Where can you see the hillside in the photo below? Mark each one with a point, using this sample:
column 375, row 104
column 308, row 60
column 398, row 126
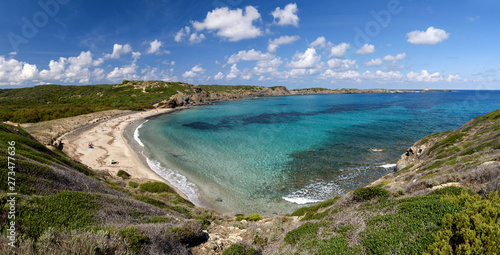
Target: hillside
column 63, row 206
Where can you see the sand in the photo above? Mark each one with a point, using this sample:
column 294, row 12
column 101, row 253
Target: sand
column 109, row 142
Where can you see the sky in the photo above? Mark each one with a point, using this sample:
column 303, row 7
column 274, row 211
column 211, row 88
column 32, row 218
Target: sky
column 394, row 44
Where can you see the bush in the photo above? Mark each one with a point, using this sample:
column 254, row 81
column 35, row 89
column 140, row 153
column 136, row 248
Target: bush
column 135, row 239
column 133, row 184
column 238, row 249
column 66, row 209
column 303, row 210
column 365, row 194
column 190, row 233
column 124, row 175
column 155, row 187
column 474, row 230
column 251, row 217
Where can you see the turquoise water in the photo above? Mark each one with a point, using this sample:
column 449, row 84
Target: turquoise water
column 274, row 154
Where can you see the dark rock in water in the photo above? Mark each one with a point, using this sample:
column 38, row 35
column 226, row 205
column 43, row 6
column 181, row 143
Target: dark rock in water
column 239, row 214
column 218, row 200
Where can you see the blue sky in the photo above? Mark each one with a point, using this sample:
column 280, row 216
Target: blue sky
column 334, row 44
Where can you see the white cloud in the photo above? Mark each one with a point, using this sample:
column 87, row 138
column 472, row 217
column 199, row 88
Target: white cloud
column 247, row 76
column 345, row 75
column 127, row 72
column 194, row 72
column 431, row 36
column 182, row 33
column 339, row 50
column 319, row 42
column 374, row 62
column 12, row 53
column 155, row 48
column 195, row 38
column 275, row 43
column 268, row 66
column 233, row 73
column 425, row 76
column 136, row 55
column 308, row 59
column 380, row 76
column 342, row 64
column 233, row 25
column 366, row 49
column 287, row 16
column 398, row 57
column 219, row 76
column 118, row 50
column 248, row 56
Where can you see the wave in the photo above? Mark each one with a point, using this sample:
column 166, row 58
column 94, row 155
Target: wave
column 136, row 134
column 301, row 200
column 388, row 166
column 177, row 180
column 376, row 150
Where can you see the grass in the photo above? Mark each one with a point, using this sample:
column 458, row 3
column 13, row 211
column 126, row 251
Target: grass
column 448, row 141
column 155, row 187
column 65, row 210
column 369, row 193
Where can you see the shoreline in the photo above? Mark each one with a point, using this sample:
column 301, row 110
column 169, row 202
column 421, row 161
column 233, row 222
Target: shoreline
column 108, row 138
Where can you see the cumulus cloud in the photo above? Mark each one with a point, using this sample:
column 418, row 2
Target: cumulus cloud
column 233, row 73
column 219, row 76
column 233, row 25
column 248, row 56
column 275, row 43
column 339, row 50
column 196, row 38
column 155, row 48
column 268, row 66
column 136, row 55
column 194, row 72
column 286, row 16
column 431, row 36
column 320, row 42
column 308, row 59
column 381, row 76
column 118, row 50
column 425, row 76
column 366, row 49
column 342, row 64
column 374, row 62
column 396, row 58
column 344, row 75
column 127, row 72
column 182, row 33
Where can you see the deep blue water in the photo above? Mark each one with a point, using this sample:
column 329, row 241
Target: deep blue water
column 272, row 154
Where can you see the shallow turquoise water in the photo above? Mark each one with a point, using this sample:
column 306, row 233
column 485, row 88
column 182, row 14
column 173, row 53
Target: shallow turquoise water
column 273, row 154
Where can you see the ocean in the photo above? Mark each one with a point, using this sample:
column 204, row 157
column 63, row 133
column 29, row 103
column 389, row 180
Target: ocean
column 275, row 154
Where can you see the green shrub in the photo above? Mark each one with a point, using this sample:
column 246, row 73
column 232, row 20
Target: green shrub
column 251, row 217
column 133, row 184
column 368, row 193
column 135, row 239
column 475, row 230
column 155, row 187
column 124, row 175
column 66, row 209
column 238, row 249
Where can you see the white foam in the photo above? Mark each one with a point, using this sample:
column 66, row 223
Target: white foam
column 301, row 200
column 388, row 166
column 177, row 180
column 136, row 134
column 376, row 150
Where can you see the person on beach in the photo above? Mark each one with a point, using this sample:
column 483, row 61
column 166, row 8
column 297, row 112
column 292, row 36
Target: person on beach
column 91, row 146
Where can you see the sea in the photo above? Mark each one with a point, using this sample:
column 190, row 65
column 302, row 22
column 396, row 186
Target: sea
column 272, row 155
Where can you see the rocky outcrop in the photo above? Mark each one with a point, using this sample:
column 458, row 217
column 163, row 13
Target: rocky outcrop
column 468, row 156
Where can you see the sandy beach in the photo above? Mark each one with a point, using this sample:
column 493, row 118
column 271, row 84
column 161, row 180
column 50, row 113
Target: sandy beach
column 107, row 138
